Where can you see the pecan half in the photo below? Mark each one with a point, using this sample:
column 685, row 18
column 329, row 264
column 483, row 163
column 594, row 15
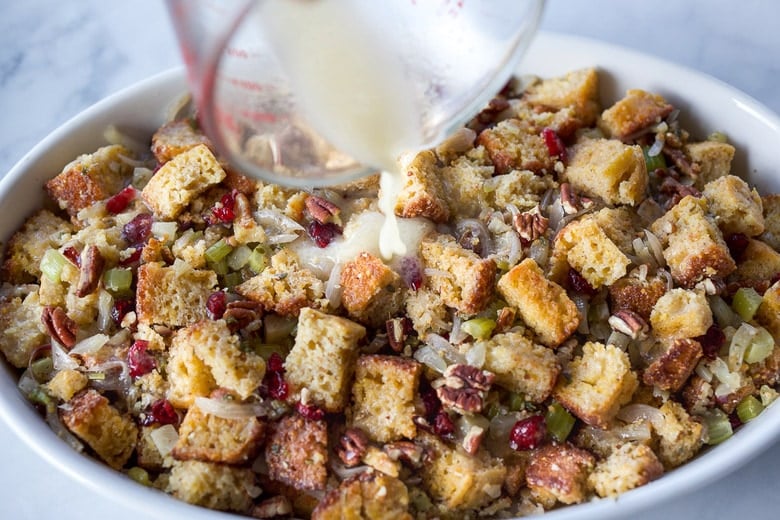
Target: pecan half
column 322, row 210
column 272, row 508
column 352, row 446
column 676, row 191
column 629, row 323
column 464, row 388
column 571, row 202
column 530, row 225
column 397, row 330
column 243, row 315
column 681, row 161
column 473, row 439
column 505, row 319
column 405, row 451
column 59, row 326
column 92, row 263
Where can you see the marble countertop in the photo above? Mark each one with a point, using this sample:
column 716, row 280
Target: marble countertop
column 57, row 58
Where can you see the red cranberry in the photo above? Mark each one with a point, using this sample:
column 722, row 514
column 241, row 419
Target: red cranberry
column 310, row 411
column 275, row 363
column 432, row 403
column 712, row 341
column 120, row 309
column 133, row 258
column 323, row 234
column 527, row 433
column 577, row 283
column 276, row 386
column 443, row 425
column 216, row 305
column 224, row 212
column 411, row 271
column 138, row 230
column 119, row 202
column 161, row 412
column 737, row 243
column 735, row 421
column 139, row 360
column 72, row 254
column 555, row 146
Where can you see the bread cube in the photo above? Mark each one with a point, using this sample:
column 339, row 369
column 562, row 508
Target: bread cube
column 693, row 245
column 589, row 250
column 714, row 160
column 578, row 90
column 679, row 436
column 372, row 292
column 172, row 296
column 422, row 194
column 176, row 137
column 543, row 305
column 559, row 473
column 188, row 376
column 66, row 383
column 96, row 422
column 323, row 357
column 20, row 329
column 215, row 486
column 427, row 311
column 671, row 369
column 735, row 207
column 697, row 395
column 515, row 145
column 608, row 169
column 681, row 313
column 637, row 110
column 521, row 366
column 465, row 281
column 771, row 207
column 759, row 263
column 290, row 202
column 383, row 397
column 41, row 232
column 627, row 467
column 600, row 382
column 179, row 181
column 463, row 184
column 635, row 294
column 521, row 188
column 147, row 455
column 370, row 494
column 297, row 452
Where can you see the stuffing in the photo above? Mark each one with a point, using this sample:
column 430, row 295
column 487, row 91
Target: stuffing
column 515, row 145
column 422, row 194
column 215, row 486
column 771, row 207
column 589, row 250
column 188, row 376
column 370, row 495
column 636, row 111
column 577, row 90
column 172, row 296
column 297, row 452
column 758, row 263
column 671, row 369
column 637, row 294
column 559, row 474
column 41, row 232
column 734, row 207
column 627, row 467
column 712, row 157
column 67, row 383
column 20, row 328
column 681, row 313
column 372, row 293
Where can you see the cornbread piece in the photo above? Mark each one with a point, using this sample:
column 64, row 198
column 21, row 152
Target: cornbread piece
column 172, row 296
column 734, row 206
column 679, row 437
column 759, row 262
column 93, row 420
column 608, row 169
column 379, row 460
column 693, row 245
column 91, row 178
column 20, row 329
column 370, row 495
column 176, row 137
column 522, row 188
column 521, row 366
column 771, row 207
column 577, row 90
column 323, row 358
column 146, row 453
column 628, row 467
column 297, row 452
column 620, row 224
column 236, row 370
column 589, row 250
column 515, row 145
column 543, row 305
column 464, row 280
column 714, row 160
column 458, row 480
column 284, row 287
column 372, row 292
column 66, row 383
column 421, row 193
column 559, row 474
column 463, row 183
column 681, row 313
column 427, row 311
column 516, row 464
column 768, row 313
column 188, row 376
column 210, row 438
column 637, row 110
column 635, row 294
column 289, row 201
column 215, row 486
column 383, row 397
column 600, row 381
column 674, row 366
column 181, row 180
column 41, row 232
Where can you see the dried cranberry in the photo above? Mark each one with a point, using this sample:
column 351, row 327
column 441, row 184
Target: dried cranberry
column 323, row 234
column 138, row 230
column 411, row 271
column 737, row 243
column 160, row 412
column 276, row 386
column 120, row 309
column 712, row 341
column 528, row 433
column 139, row 360
column 735, row 421
column 133, row 258
column 432, row 403
column 310, row 411
column 554, row 143
column 119, row 202
column 225, row 211
column 216, row 305
column 443, row 425
column 275, row 363
column 577, row 283
column 72, row 254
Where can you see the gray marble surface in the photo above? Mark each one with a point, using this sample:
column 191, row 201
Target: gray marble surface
column 57, row 58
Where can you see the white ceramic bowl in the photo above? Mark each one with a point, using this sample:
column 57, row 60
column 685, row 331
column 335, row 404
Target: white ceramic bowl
column 706, row 105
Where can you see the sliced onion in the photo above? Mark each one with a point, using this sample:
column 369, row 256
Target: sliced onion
column 89, row 345
column 333, row 289
column 619, row 339
column 260, row 465
column 643, row 255
column 555, row 214
column 515, row 248
column 105, row 305
column 461, row 141
column 724, row 314
column 430, row 271
column 666, row 275
column 704, row 372
column 445, row 349
column 54, row 422
column 114, row 379
column 634, row 431
column 344, row 472
column 229, row 410
column 164, row 438
column 739, row 345
column 641, row 412
column 478, row 229
column 281, row 238
column 729, row 381
column 457, row 335
column 497, row 439
column 655, row 247
column 539, row 251
column 277, row 221
column 582, row 304
column 657, row 146
column 475, row 356
column 61, row 359
column 27, row 383
column 429, row 357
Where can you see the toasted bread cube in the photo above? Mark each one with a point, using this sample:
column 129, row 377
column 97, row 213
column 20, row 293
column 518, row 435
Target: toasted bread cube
column 371, row 495
column 768, row 314
column 284, row 287
column 466, row 280
column 628, row 467
column 147, row 454
column 383, row 395
column 681, row 313
column 66, row 383
column 422, row 194
column 91, row 178
column 41, row 232
column 559, row 474
column 679, row 436
column 463, row 183
column 427, row 311
column 714, row 160
column 210, row 438
column 215, row 486
column 297, row 452
column 93, row 420
column 515, row 145
column 372, row 292
column 458, row 480
column 759, row 263
column 693, row 245
column 771, row 207
column 543, row 305
column 172, row 296
column 637, row 110
column 233, row 369
column 589, row 250
column 181, row 180
column 522, row 188
column 578, row 90
column 637, row 295
column 287, row 200
column 522, row 366
column 697, row 395
column 323, row 358
column 20, row 329
column 176, row 137
column 736, row 208
column 600, row 382
column 608, row 169
column 188, row 376
column 674, row 366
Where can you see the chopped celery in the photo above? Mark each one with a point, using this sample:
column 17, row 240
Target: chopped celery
column 52, row 264
column 559, row 422
column 760, row 346
column 516, row 402
column 140, row 475
column 263, row 350
column 258, row 259
column 239, row 257
column 479, row 328
column 746, row 302
column 718, row 426
column 653, row 162
column 220, row 267
column 41, row 369
column 218, row 251
column 39, row 396
column 718, row 137
column 165, row 231
column 232, row 279
column 749, row 408
column 118, row 280
column 493, row 410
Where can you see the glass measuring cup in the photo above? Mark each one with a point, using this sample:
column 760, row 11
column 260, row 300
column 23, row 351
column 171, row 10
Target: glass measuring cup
column 316, row 92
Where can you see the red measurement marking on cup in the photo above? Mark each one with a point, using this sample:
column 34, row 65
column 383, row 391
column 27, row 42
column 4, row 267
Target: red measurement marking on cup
column 257, row 116
column 246, row 84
